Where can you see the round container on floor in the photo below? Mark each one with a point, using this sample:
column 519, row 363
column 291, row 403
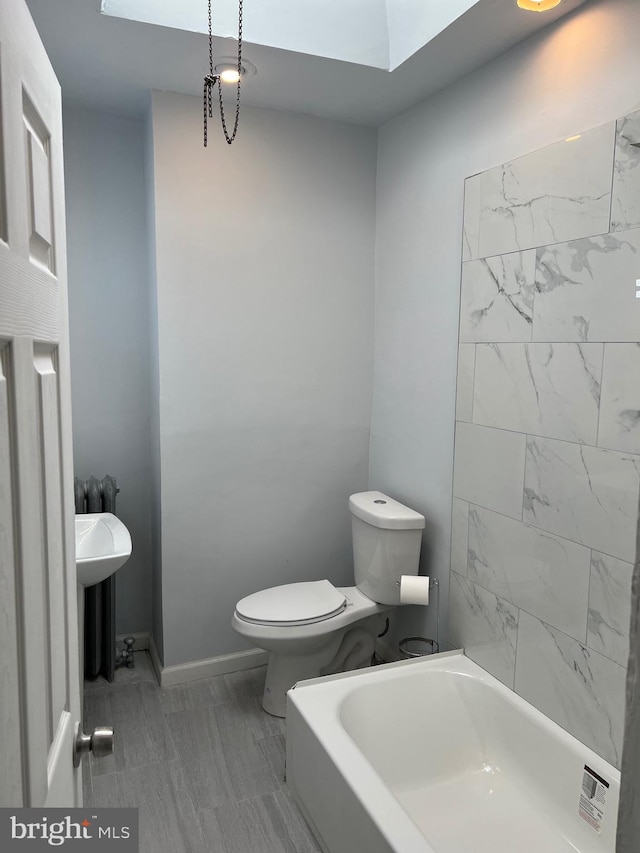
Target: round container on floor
column 417, row 647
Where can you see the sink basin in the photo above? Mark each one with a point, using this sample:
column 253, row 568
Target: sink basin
column 103, row 545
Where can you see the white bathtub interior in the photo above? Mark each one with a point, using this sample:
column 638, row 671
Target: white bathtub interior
column 472, row 766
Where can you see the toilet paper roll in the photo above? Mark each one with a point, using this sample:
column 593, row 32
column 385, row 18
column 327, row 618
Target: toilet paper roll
column 414, row 590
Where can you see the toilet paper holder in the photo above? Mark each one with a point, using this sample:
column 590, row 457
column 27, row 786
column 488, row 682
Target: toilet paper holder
column 434, row 584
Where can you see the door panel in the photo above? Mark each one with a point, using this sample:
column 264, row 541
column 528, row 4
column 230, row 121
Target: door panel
column 11, row 775
column 3, row 186
column 55, row 581
column 30, row 562
column 38, row 613
column 37, row 145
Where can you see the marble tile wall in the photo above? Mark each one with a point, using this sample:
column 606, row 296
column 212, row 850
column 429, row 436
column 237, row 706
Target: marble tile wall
column 547, row 453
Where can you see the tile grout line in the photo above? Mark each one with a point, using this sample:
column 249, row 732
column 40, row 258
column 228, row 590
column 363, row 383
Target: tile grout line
column 546, row 245
column 543, row 621
column 520, row 608
column 515, row 658
column 534, row 435
column 524, row 476
column 586, row 629
column 544, row 531
column 613, row 173
column 553, row 341
column 604, row 355
column 473, row 383
column 533, row 291
column 466, row 565
column 584, row 643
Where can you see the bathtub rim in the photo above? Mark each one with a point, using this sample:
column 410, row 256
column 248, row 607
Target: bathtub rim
column 466, row 667
column 362, row 779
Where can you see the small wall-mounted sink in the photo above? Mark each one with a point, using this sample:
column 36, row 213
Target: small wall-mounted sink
column 103, row 545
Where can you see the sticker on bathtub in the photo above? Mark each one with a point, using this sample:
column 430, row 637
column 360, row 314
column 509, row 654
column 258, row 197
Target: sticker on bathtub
column 593, row 797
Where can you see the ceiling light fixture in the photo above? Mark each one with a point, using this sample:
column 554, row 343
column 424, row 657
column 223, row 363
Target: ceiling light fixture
column 229, row 75
column 215, row 79
column 227, row 69
column 538, row 5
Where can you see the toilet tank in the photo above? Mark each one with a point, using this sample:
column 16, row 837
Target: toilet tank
column 386, row 544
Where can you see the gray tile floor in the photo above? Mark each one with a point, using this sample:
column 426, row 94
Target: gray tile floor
column 202, row 762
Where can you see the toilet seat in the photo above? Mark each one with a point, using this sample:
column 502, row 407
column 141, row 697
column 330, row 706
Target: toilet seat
column 292, row 604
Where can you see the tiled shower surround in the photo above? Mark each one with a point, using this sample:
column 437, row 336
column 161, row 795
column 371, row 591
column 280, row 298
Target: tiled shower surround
column 547, row 452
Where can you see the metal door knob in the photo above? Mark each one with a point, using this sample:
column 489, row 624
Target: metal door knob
column 99, row 742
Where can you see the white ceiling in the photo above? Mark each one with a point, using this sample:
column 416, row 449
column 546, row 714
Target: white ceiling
column 110, row 63
column 379, row 33
column 349, row 30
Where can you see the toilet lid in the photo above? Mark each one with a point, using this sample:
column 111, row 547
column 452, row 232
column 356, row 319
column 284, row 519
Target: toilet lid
column 292, row 604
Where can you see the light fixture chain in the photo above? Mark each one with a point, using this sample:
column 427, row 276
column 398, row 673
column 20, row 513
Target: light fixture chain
column 220, row 99
column 207, row 103
column 211, row 79
column 210, row 43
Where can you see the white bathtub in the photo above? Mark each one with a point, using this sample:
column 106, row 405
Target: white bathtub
column 437, row 756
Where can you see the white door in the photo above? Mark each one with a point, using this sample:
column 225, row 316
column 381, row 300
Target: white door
column 39, row 682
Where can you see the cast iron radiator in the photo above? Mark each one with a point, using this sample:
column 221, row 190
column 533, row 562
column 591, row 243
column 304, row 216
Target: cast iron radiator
column 94, row 495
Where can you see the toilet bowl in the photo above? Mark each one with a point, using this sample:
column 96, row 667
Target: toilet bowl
column 311, row 645
column 314, row 628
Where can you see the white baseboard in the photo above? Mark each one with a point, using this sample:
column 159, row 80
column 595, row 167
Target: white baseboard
column 181, row 673
column 194, row 670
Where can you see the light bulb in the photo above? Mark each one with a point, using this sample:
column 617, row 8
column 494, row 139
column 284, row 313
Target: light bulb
column 230, row 75
column 538, row 5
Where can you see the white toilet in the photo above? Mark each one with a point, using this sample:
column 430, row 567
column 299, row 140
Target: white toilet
column 314, row 628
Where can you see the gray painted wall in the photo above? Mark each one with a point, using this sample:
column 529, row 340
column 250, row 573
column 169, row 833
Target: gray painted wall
column 109, row 324
column 156, row 520
column 577, row 74
column 265, row 258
